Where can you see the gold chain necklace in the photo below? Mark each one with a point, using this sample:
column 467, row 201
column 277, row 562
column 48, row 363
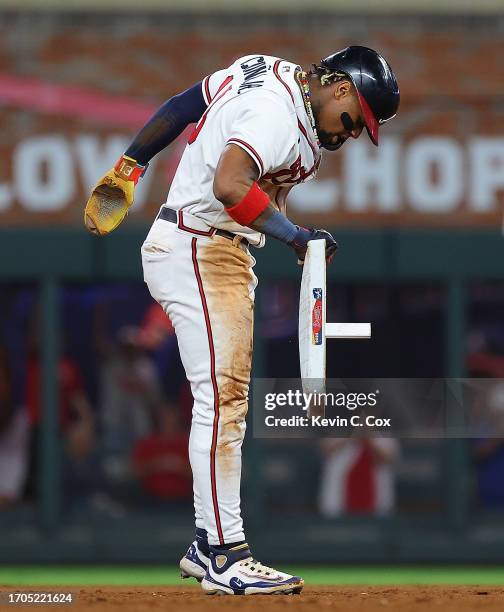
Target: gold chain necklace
column 302, row 80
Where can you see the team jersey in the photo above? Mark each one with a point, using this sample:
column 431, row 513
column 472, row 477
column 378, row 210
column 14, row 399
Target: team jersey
column 257, row 105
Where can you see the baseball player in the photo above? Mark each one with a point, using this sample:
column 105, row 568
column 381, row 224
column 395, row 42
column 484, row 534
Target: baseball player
column 261, row 125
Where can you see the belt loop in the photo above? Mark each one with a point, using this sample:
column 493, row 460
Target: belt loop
column 237, row 240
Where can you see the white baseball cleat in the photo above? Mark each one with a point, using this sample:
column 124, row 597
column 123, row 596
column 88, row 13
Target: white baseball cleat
column 236, row 572
column 194, row 563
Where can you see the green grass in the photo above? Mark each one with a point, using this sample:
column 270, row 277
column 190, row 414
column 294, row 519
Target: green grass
column 313, row 575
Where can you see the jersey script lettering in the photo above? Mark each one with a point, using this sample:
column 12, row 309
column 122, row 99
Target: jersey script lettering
column 252, row 69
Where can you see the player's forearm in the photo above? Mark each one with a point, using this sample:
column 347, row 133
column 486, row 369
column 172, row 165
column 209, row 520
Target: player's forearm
column 235, row 185
column 256, row 211
column 166, row 124
column 273, row 223
column 247, row 204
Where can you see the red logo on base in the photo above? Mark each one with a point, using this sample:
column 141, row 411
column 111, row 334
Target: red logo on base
column 317, row 317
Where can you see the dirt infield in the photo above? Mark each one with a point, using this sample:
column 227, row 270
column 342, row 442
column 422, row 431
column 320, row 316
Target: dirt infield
column 363, row 599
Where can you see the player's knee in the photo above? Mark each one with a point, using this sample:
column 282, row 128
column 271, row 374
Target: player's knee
column 233, row 400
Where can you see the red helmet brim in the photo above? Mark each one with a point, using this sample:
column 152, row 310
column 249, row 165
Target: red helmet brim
column 370, row 121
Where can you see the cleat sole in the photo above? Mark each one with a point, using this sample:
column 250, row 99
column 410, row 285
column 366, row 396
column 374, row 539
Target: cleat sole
column 213, row 589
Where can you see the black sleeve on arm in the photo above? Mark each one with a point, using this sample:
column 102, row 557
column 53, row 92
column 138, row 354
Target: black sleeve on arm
column 169, row 122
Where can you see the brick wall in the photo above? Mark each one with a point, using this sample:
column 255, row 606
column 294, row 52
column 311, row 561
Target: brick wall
column 61, row 75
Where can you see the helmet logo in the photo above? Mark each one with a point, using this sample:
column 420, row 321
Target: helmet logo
column 382, row 121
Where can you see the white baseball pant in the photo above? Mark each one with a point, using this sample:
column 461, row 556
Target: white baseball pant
column 205, row 284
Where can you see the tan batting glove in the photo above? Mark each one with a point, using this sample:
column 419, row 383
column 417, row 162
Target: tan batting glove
column 112, row 196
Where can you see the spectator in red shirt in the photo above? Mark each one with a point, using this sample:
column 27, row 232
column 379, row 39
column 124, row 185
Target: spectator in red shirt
column 161, row 461
column 70, row 388
column 358, row 476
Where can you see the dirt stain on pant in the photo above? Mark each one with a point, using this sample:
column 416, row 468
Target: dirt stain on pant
column 228, row 282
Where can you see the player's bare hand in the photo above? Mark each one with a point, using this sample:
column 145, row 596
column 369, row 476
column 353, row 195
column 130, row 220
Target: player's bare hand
column 305, row 234
column 112, row 197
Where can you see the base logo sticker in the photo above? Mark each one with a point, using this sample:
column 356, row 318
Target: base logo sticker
column 317, row 317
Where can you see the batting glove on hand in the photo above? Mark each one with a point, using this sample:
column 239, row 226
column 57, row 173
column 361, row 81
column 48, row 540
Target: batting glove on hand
column 112, row 196
column 305, row 234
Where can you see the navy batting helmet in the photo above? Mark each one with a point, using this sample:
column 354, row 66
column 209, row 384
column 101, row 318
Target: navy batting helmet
column 374, row 81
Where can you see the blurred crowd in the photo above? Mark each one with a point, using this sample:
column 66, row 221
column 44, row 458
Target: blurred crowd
column 125, row 408
column 125, row 448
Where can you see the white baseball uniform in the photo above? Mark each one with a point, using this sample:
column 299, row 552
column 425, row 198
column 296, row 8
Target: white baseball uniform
column 205, row 282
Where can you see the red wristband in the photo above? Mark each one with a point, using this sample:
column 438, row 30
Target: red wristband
column 129, row 169
column 252, row 205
